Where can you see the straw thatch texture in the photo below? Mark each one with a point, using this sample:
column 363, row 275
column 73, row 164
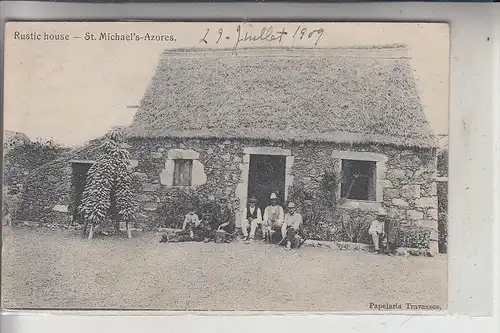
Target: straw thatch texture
column 358, row 95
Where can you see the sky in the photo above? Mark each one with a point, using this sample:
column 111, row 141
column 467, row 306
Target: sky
column 77, row 90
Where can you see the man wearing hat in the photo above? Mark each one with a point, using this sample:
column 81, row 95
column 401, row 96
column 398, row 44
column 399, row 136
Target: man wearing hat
column 377, row 229
column 291, row 225
column 273, row 219
column 251, row 218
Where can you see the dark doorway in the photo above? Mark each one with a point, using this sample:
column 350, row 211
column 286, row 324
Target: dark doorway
column 266, row 175
column 78, row 179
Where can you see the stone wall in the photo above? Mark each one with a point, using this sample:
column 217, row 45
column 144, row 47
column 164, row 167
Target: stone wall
column 220, row 168
column 412, row 199
column 216, row 173
column 407, row 185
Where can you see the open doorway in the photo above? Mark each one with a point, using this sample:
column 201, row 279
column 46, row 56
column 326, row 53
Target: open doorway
column 78, row 179
column 266, row 175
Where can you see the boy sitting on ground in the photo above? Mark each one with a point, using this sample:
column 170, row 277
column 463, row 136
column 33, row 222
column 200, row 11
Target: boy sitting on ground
column 190, row 230
column 191, row 222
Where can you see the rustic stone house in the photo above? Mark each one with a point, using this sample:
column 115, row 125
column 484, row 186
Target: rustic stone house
column 214, row 123
column 255, row 122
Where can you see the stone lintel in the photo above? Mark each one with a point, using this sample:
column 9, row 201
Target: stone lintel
column 182, row 154
column 361, row 204
column 359, row 156
column 267, row 151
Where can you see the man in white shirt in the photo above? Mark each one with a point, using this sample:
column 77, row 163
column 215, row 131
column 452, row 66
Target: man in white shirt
column 251, row 218
column 273, row 219
column 291, row 225
column 377, row 229
column 191, row 222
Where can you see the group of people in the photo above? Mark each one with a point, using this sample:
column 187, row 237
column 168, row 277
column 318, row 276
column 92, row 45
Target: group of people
column 220, row 219
column 275, row 226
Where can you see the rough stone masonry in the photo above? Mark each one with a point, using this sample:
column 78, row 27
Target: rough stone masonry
column 406, row 177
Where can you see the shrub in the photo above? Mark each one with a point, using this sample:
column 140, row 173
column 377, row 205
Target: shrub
column 414, row 238
column 315, row 211
column 355, row 226
column 23, row 159
column 181, row 203
column 322, row 218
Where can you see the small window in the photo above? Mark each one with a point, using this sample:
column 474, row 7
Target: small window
column 358, row 180
column 182, row 172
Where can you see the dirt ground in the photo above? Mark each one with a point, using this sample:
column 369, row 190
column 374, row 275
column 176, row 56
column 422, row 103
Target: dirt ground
column 60, row 269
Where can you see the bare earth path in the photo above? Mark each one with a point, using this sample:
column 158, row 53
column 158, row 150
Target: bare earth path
column 59, row 269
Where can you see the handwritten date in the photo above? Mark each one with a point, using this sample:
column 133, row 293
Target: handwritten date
column 266, row 34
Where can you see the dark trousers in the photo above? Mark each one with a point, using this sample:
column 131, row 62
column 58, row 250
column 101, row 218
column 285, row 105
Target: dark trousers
column 229, row 228
column 208, row 231
column 277, row 236
column 291, row 236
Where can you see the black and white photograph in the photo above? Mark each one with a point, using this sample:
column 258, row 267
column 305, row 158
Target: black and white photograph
column 225, row 166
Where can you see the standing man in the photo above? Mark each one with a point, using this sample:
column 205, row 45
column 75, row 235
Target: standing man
column 251, row 218
column 291, row 226
column 377, row 229
column 273, row 219
column 225, row 217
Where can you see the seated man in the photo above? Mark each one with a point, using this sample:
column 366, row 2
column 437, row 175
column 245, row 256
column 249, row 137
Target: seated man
column 208, row 225
column 273, row 220
column 251, row 218
column 377, row 229
column 225, row 217
column 291, row 227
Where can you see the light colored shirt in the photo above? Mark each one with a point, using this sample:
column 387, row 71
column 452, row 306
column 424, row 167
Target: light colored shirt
column 377, row 227
column 293, row 221
column 252, row 210
column 192, row 220
column 273, row 215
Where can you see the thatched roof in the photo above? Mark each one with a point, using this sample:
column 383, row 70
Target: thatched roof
column 345, row 95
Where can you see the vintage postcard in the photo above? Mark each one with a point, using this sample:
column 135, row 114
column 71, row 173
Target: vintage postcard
column 225, row 166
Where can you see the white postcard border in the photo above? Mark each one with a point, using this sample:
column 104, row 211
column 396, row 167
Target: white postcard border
column 474, row 158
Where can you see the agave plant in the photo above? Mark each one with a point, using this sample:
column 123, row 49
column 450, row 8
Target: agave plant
column 108, row 188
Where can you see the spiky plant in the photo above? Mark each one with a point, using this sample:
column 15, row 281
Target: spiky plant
column 108, row 188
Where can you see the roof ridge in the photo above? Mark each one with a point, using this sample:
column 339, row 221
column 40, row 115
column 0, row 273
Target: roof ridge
column 395, row 52
column 394, row 46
